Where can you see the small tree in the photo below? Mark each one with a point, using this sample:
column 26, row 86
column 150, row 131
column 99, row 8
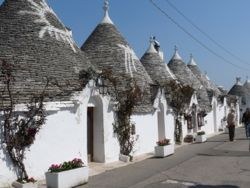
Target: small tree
column 19, row 128
column 178, row 97
column 123, row 126
column 127, row 98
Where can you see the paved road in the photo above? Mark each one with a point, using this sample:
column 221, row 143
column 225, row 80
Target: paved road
column 217, row 163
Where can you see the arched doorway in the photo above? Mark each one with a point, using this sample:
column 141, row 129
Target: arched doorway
column 95, row 130
column 161, row 123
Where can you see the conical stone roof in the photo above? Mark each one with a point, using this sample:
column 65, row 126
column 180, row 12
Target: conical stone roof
column 237, row 89
column 206, row 82
column 186, row 77
column 39, row 46
column 108, row 49
column 247, row 86
column 155, row 66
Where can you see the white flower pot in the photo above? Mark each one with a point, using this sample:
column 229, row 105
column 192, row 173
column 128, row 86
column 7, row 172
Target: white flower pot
column 68, row 178
column 163, row 151
column 200, row 138
column 124, row 158
column 24, row 185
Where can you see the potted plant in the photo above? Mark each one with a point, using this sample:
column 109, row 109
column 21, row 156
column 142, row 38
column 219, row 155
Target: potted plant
column 201, row 137
column 67, row 174
column 164, row 148
column 29, row 183
column 189, row 138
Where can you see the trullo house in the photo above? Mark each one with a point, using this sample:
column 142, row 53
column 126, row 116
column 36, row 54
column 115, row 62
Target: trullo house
column 39, row 50
column 155, row 66
column 217, row 99
column 195, row 118
column 108, row 50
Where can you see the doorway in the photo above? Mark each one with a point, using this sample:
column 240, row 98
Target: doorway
column 90, row 135
column 95, row 130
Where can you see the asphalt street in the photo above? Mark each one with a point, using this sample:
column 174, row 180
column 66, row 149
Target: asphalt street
column 216, row 163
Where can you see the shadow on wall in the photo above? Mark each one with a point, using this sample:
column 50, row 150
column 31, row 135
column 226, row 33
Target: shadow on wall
column 214, row 186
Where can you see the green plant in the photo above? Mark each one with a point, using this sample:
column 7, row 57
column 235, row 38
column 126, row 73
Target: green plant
column 69, row 165
column 201, row 133
column 163, row 142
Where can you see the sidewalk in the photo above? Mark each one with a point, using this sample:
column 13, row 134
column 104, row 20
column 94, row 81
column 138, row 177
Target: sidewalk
column 239, row 147
column 205, row 162
column 98, row 168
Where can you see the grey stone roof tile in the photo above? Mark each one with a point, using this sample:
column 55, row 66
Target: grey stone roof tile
column 237, row 90
column 186, row 77
column 106, row 48
column 156, row 67
column 39, row 45
column 206, row 82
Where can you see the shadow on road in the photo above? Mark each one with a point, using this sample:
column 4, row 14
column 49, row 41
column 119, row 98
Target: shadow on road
column 217, row 141
column 213, row 186
column 241, row 139
column 223, row 153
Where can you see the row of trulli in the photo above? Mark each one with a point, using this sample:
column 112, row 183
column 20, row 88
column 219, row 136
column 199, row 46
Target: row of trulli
column 79, row 116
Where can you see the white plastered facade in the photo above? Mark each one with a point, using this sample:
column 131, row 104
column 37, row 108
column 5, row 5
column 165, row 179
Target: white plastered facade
column 64, row 135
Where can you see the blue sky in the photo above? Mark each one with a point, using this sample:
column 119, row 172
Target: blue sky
column 226, row 21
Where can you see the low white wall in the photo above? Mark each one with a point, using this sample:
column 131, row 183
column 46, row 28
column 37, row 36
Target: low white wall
column 60, row 139
column 147, row 131
column 209, row 123
column 111, row 144
column 146, row 126
column 170, row 126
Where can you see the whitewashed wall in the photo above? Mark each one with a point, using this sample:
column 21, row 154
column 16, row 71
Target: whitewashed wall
column 62, row 138
column 170, row 126
column 111, row 144
column 185, row 130
column 64, row 135
column 165, row 118
column 209, row 123
column 222, row 114
column 146, row 131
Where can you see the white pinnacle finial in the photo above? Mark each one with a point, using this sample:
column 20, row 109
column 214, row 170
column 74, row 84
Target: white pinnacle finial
column 151, row 48
column 106, row 18
column 176, row 55
column 238, row 81
column 192, row 62
column 175, row 48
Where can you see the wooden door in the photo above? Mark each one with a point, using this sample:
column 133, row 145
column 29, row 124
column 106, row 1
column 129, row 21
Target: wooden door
column 90, row 127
